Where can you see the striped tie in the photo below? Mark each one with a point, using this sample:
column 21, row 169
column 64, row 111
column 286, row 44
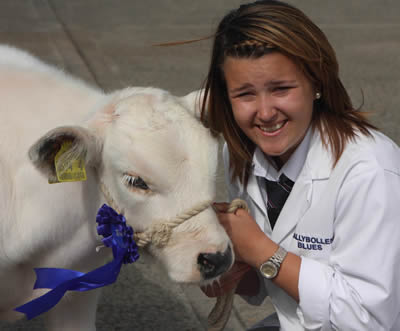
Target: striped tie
column 277, row 193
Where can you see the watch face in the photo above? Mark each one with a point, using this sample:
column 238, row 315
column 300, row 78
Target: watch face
column 269, row 270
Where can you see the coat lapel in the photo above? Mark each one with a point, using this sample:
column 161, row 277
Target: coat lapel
column 253, row 191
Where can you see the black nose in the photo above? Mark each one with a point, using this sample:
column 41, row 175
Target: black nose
column 213, row 264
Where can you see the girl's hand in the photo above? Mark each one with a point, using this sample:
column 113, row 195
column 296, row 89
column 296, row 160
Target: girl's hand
column 249, row 241
column 254, row 247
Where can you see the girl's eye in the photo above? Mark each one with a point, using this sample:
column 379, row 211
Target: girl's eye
column 135, row 182
column 281, row 88
column 242, row 95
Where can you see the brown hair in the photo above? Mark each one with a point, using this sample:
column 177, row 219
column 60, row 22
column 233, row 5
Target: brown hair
column 266, row 26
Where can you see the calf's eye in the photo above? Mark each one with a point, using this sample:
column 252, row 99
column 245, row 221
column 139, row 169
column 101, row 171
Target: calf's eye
column 135, row 182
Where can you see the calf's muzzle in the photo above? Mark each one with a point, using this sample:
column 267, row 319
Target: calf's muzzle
column 214, row 264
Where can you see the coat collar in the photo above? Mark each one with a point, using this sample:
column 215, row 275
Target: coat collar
column 319, row 161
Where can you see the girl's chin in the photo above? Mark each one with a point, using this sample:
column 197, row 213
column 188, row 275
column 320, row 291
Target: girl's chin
column 272, row 151
column 281, row 155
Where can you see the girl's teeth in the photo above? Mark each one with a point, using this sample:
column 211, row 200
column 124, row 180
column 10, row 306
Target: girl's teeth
column 272, row 128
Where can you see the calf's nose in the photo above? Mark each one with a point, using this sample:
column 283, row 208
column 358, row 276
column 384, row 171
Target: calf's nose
column 213, row 264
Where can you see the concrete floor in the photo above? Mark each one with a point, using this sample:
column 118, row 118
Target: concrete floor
column 110, row 44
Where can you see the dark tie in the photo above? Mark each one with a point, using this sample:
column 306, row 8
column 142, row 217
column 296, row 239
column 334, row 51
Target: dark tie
column 277, row 193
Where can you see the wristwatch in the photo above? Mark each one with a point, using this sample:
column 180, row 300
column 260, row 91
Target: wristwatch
column 270, row 268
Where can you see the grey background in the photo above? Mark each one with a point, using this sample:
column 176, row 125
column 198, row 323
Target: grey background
column 110, row 43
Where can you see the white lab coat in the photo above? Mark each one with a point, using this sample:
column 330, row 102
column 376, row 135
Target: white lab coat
column 345, row 224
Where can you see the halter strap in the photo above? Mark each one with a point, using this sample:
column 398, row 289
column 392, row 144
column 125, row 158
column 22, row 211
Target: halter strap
column 159, row 233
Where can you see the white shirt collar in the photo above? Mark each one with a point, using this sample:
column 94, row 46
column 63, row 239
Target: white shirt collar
column 262, row 166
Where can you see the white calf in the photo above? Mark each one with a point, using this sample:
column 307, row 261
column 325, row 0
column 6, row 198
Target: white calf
column 147, row 148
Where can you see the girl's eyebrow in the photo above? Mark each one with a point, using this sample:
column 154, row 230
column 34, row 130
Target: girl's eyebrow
column 270, row 83
column 280, row 82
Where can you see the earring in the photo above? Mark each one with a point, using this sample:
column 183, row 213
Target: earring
column 317, row 95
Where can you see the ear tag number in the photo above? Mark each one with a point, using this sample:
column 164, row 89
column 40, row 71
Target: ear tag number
column 69, row 170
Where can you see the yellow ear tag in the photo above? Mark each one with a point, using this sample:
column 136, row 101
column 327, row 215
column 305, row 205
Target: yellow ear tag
column 70, row 170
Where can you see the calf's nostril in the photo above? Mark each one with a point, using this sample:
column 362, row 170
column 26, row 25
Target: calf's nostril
column 207, row 263
column 214, row 264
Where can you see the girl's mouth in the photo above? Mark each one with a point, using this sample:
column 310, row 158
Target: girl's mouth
column 273, row 128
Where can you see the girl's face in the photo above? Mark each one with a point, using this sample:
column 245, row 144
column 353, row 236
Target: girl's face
column 272, row 101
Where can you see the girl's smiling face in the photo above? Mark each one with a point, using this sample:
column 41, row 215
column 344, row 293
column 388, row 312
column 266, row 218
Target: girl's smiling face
column 272, row 101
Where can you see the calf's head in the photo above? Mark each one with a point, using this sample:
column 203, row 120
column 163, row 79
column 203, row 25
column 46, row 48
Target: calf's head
column 156, row 162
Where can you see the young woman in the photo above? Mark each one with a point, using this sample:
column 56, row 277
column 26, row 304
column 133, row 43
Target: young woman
column 330, row 257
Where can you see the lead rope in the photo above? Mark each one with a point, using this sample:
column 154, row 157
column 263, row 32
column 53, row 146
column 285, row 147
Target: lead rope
column 219, row 315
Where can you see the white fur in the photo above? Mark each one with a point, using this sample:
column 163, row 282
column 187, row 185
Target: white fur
column 142, row 131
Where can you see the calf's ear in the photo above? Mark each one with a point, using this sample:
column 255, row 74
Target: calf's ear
column 84, row 146
column 193, row 102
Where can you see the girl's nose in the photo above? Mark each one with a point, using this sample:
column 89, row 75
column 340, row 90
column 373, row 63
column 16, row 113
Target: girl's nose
column 266, row 109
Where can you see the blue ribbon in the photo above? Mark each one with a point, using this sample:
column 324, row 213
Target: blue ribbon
column 117, row 235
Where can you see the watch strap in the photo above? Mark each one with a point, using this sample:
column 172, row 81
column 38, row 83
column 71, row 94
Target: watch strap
column 278, row 257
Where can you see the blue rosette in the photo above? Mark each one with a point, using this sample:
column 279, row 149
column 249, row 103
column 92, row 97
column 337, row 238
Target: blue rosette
column 116, row 235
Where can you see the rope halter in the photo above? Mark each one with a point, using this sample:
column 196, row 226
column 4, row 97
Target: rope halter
column 160, row 233
column 157, row 234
